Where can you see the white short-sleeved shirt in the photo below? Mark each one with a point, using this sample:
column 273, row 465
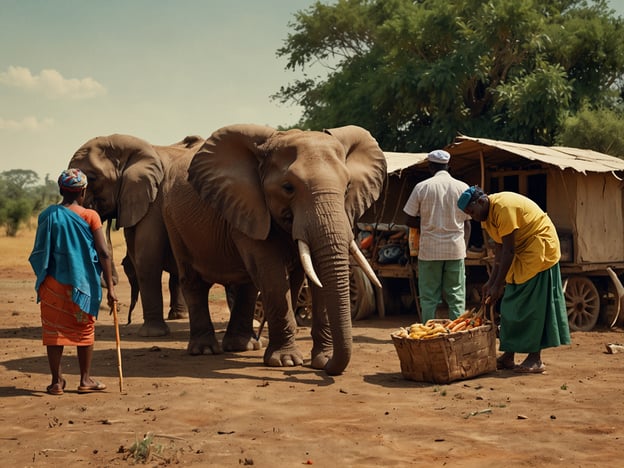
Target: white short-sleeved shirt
column 441, row 221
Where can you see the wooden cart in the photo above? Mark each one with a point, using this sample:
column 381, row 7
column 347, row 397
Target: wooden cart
column 580, row 189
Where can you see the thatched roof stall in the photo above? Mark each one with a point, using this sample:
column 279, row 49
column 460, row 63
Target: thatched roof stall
column 580, row 189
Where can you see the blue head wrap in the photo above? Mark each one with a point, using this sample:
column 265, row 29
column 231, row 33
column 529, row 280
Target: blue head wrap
column 72, row 179
column 470, row 194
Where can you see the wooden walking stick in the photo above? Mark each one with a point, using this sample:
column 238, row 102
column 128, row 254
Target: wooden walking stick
column 118, row 343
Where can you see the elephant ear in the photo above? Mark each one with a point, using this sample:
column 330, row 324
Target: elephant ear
column 141, row 174
column 367, row 166
column 189, row 142
column 224, row 171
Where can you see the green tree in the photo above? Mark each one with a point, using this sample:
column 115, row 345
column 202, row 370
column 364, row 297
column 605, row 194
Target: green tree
column 416, row 73
column 16, row 213
column 17, row 181
column 46, row 194
column 600, row 129
column 21, row 197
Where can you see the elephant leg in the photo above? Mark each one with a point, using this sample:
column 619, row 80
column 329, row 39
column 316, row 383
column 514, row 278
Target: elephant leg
column 150, row 290
column 146, row 246
column 239, row 335
column 203, row 339
column 266, row 262
column 177, row 305
column 322, row 348
column 281, row 351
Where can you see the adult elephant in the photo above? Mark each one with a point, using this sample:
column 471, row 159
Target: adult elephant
column 261, row 207
column 125, row 176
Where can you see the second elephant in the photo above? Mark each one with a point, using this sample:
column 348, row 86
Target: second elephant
column 126, row 175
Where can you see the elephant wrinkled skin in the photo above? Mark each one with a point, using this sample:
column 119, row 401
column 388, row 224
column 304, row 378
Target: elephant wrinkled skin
column 125, row 176
column 254, row 193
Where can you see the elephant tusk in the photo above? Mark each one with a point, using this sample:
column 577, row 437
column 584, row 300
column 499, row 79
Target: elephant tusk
column 619, row 288
column 306, row 262
column 361, row 260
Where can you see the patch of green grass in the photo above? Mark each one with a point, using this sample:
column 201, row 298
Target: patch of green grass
column 142, row 450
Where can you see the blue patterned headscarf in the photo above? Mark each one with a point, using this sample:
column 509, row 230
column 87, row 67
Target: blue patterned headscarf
column 469, row 195
column 73, row 180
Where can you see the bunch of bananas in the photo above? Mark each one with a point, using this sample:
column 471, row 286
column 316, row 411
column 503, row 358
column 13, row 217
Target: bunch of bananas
column 433, row 328
column 419, row 331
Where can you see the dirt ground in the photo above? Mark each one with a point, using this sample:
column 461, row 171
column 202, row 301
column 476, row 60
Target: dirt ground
column 230, row 410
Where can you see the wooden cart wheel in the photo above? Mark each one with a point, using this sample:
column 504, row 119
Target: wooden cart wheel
column 259, row 309
column 303, row 309
column 582, row 302
column 362, row 294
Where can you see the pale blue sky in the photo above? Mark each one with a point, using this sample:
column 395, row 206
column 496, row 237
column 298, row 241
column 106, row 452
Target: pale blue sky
column 160, row 70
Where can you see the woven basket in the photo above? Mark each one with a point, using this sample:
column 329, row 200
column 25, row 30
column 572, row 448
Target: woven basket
column 446, row 358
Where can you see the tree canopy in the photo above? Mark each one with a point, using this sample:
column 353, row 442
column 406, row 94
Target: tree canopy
column 21, row 195
column 417, row 73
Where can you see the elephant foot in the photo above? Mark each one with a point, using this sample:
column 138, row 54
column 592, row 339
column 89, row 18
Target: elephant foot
column 205, row 344
column 235, row 343
column 154, row 329
column 177, row 314
column 320, row 358
column 326, row 358
column 283, row 357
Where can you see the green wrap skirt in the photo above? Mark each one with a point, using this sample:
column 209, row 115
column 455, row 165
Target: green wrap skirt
column 533, row 314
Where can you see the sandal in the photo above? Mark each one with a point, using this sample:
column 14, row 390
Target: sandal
column 504, row 364
column 53, row 389
column 530, row 369
column 99, row 386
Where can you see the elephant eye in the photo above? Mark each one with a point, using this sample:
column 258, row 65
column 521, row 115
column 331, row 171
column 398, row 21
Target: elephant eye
column 288, row 188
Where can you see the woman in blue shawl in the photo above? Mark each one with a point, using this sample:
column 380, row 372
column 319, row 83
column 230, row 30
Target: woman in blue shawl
column 68, row 257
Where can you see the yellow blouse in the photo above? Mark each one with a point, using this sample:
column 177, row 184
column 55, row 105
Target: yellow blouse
column 537, row 244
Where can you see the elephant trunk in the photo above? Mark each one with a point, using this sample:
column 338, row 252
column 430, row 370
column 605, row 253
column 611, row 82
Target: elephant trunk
column 329, row 241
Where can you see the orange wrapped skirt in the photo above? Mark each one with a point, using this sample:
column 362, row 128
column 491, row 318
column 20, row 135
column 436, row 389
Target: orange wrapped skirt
column 64, row 324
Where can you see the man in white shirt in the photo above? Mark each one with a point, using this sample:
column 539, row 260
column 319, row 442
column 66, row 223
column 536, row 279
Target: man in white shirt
column 444, row 231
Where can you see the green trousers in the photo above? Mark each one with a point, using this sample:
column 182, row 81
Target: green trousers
column 438, row 279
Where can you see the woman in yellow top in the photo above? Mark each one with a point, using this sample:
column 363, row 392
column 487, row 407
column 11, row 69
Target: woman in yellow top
column 525, row 274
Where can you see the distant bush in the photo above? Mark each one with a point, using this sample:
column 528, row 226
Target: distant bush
column 601, row 130
column 21, row 197
column 17, row 212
